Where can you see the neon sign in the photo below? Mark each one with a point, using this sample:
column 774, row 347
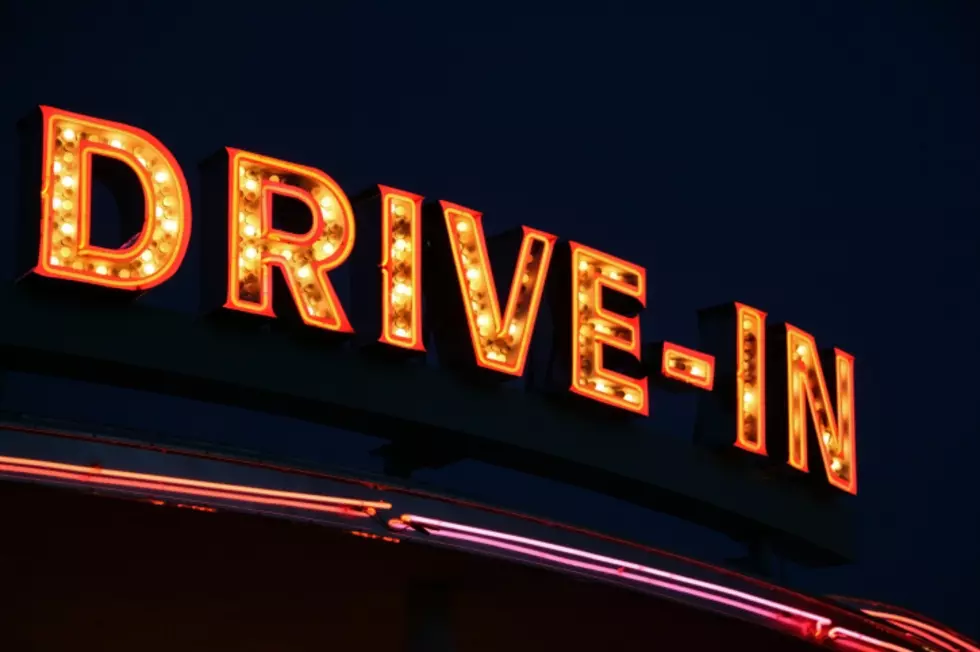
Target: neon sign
column 754, row 376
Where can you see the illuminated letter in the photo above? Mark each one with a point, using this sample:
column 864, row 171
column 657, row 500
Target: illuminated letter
column 401, row 269
column 66, row 251
column 305, row 259
column 688, row 366
column 593, row 327
column 500, row 343
column 807, row 386
column 750, row 379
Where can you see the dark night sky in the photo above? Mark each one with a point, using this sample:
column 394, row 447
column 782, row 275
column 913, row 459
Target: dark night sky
column 819, row 160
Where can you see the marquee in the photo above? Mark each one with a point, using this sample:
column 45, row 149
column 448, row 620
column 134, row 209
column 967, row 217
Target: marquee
column 766, row 392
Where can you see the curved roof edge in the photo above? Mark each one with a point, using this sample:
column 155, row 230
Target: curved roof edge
column 367, row 508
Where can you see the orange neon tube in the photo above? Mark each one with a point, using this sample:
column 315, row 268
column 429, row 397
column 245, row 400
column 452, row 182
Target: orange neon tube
column 187, row 486
column 854, row 640
column 923, row 629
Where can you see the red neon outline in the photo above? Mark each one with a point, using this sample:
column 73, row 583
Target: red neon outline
column 190, row 487
column 336, row 319
column 925, row 636
column 86, row 149
column 881, row 610
column 581, row 253
column 618, row 567
column 453, row 214
column 855, row 640
column 923, row 629
column 414, row 340
column 807, row 400
column 706, row 382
